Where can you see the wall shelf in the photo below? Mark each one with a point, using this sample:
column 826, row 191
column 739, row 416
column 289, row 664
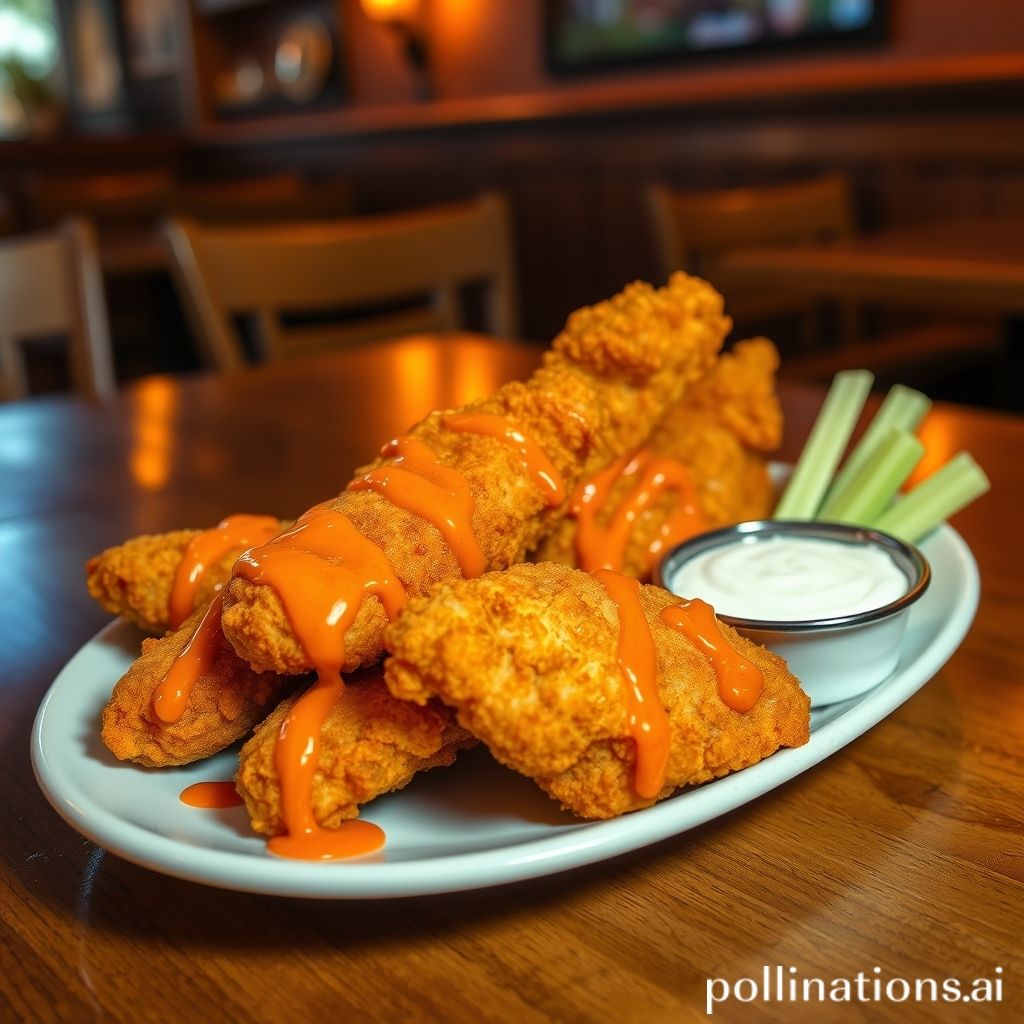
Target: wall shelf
column 808, row 85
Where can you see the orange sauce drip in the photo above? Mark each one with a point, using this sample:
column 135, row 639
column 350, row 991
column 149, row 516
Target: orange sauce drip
column 174, row 691
column 295, row 757
column 604, row 546
column 740, row 682
column 416, row 481
column 638, row 659
column 322, row 569
column 206, row 549
column 535, row 461
column 211, row 795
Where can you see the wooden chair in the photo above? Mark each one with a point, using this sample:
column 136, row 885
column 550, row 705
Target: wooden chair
column 420, row 258
column 695, row 229
column 50, row 284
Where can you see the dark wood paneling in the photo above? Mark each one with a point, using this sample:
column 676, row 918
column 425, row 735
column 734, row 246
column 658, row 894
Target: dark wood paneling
column 577, row 184
column 576, row 171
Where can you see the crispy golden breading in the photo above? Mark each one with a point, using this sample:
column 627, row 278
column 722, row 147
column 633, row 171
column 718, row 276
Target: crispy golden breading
column 134, row 579
column 610, row 377
column 528, row 660
column 614, row 371
column 740, row 393
column 226, row 703
column 719, row 431
column 370, row 744
column 732, row 483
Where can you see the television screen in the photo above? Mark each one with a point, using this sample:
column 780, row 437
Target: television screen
column 583, row 34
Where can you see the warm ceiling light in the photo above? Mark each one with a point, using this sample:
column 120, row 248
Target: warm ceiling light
column 391, row 10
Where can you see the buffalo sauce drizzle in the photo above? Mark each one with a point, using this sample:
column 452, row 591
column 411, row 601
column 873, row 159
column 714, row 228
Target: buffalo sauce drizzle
column 740, row 682
column 211, row 795
column 173, row 692
column 535, row 461
column 603, row 546
column 638, row 659
column 235, row 533
column 414, row 480
column 322, row 569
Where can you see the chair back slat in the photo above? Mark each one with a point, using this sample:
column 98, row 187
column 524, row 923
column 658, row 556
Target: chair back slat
column 51, row 284
column 695, row 230
column 694, row 227
column 421, row 257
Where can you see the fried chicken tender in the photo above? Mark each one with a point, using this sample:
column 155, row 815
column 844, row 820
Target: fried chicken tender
column 370, row 744
column 739, row 393
column 615, row 370
column 720, row 431
column 134, row 579
column 227, row 702
column 528, row 660
column 610, row 376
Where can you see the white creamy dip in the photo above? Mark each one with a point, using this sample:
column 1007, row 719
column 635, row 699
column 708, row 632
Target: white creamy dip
column 791, row 578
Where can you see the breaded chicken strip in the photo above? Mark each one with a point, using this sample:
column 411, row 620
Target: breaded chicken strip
column 528, row 659
column 720, row 432
column 740, row 394
column 616, row 369
column 227, row 702
column 135, row 579
column 370, row 744
column 611, row 375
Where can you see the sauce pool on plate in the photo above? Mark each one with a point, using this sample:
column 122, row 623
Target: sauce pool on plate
column 211, row 795
column 791, row 578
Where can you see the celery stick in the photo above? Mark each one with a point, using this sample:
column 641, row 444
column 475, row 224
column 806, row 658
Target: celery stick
column 903, row 409
column 935, row 499
column 871, row 489
column 825, row 445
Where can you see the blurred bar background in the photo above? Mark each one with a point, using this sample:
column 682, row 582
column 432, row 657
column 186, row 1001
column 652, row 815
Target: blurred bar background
column 610, row 139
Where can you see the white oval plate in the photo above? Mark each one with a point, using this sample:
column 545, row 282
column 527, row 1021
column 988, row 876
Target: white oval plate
column 472, row 825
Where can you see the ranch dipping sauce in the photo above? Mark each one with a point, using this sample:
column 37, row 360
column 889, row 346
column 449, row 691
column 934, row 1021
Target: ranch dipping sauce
column 831, row 598
column 790, row 578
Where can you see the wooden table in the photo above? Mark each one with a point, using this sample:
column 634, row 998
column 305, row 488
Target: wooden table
column 963, row 264
column 904, row 851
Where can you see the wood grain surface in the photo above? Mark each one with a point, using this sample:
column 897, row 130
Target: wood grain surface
column 975, row 265
column 903, row 851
